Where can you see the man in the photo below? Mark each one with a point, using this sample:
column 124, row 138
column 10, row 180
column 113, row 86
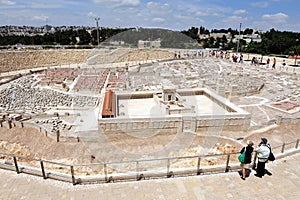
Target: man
column 263, row 152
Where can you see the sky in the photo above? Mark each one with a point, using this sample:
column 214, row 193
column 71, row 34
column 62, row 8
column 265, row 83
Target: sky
column 177, row 15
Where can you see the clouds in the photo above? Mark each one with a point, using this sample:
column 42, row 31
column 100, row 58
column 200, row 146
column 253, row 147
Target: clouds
column 239, row 12
column 276, row 18
column 276, row 21
column 34, row 4
column 261, row 4
column 157, row 9
column 156, row 5
column 159, row 20
column 175, row 14
column 209, row 12
column 114, row 3
column 7, row 3
column 42, row 18
column 91, row 14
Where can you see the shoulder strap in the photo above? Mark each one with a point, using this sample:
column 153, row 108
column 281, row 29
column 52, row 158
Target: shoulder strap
column 269, row 147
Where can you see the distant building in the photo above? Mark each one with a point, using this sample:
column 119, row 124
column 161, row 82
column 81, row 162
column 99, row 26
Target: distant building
column 117, row 43
column 253, row 38
column 248, row 38
column 149, row 44
column 215, row 35
column 47, row 28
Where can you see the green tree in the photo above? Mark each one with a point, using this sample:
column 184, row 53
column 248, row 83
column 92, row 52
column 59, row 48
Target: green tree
column 248, row 31
column 223, row 42
column 203, row 30
column 211, row 41
column 192, row 32
column 84, row 37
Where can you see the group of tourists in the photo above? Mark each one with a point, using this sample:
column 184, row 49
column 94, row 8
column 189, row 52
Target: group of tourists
column 263, row 151
column 274, row 63
column 239, row 58
column 256, row 61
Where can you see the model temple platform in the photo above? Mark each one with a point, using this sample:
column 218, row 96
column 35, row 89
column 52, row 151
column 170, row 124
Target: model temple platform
column 179, row 110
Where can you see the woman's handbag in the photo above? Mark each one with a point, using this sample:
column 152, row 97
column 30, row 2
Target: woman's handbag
column 242, row 156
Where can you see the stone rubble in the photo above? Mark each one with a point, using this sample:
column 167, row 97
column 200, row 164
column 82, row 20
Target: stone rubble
column 20, row 95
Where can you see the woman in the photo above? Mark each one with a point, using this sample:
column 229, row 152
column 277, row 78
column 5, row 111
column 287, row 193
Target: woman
column 248, row 156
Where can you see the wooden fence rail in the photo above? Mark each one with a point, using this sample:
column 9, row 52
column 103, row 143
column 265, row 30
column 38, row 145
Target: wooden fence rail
column 74, row 177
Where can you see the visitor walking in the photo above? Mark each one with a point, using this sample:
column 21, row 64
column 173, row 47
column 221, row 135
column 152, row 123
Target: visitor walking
column 233, row 58
column 274, row 63
column 247, row 160
column 268, row 62
column 283, row 65
column 263, row 152
column 241, row 58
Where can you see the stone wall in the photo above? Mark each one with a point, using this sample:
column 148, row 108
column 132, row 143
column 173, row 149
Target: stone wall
column 234, row 123
column 53, row 135
column 146, row 54
column 19, row 60
column 29, row 59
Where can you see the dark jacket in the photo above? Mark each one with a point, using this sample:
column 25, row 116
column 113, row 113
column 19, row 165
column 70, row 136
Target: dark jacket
column 248, row 154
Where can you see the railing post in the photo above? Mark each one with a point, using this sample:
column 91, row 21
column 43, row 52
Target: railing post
column 168, row 167
column 72, row 174
column 198, row 166
column 16, row 165
column 297, row 144
column 283, row 146
column 137, row 170
column 43, row 170
column 57, row 136
column 227, row 163
column 105, row 172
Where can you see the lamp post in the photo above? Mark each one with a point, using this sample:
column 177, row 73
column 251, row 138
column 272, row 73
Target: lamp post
column 238, row 42
column 296, row 53
column 97, row 24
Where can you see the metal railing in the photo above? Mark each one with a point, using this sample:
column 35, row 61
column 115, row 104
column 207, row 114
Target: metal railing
column 106, row 172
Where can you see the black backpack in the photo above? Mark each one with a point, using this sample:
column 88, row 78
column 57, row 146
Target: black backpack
column 271, row 156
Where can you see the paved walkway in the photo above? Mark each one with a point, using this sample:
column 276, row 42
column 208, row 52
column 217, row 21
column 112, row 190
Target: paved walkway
column 283, row 184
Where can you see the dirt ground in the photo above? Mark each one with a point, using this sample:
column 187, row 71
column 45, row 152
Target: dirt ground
column 283, row 133
column 30, row 142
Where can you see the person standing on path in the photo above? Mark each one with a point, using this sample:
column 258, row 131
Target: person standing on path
column 283, row 65
column 268, row 62
column 274, row 63
column 263, row 152
column 248, row 156
column 241, row 58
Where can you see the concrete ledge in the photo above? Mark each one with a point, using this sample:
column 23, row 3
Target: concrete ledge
column 135, row 176
column 59, row 177
column 8, row 166
column 286, row 154
column 31, row 171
